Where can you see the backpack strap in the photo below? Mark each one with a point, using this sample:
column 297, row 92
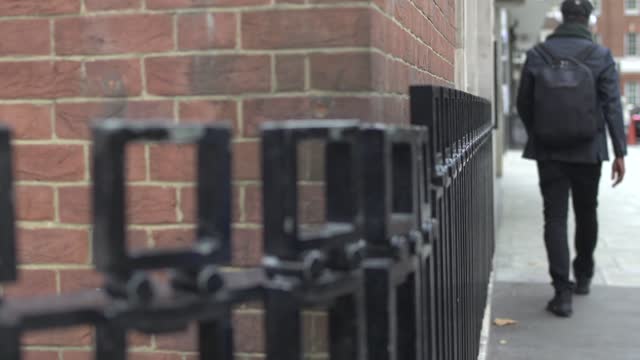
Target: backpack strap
column 546, row 54
column 586, row 53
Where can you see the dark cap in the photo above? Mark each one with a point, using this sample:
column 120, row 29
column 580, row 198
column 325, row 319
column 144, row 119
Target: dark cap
column 577, row 8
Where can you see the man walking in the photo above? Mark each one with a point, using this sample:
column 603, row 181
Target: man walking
column 569, row 97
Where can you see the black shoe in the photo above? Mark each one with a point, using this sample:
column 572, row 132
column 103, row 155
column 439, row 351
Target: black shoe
column 583, row 286
column 561, row 304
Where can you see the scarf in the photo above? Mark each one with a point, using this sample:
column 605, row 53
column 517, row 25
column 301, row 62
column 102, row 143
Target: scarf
column 572, row 30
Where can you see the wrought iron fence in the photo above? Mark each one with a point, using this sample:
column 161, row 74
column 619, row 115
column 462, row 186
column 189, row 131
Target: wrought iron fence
column 401, row 263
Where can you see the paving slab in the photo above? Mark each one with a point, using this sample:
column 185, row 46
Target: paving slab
column 520, row 253
column 605, row 325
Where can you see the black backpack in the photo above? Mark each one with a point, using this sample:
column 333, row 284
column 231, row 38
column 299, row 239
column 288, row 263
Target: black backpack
column 565, row 100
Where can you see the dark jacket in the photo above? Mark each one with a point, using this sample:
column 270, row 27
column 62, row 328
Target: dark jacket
column 604, row 70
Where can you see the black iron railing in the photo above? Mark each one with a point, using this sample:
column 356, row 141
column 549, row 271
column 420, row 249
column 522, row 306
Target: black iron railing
column 401, row 262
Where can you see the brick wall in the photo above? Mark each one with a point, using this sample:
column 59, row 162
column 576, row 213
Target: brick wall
column 66, row 62
column 613, row 25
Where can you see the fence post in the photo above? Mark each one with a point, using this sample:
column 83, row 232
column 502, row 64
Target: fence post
column 401, row 264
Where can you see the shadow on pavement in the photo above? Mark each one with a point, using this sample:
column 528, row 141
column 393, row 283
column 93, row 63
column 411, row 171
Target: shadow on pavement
column 605, row 325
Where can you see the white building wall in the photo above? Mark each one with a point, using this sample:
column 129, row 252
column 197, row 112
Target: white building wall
column 474, row 53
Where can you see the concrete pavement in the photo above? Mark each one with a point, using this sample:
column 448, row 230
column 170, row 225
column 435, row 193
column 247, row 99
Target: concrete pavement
column 520, row 254
column 605, row 324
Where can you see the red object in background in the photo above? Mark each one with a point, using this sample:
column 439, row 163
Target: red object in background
column 632, row 136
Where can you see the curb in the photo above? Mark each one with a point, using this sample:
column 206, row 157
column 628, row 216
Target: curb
column 486, row 322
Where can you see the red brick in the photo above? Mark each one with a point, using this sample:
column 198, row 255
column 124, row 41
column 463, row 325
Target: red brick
column 72, row 280
column 38, row 7
column 381, row 33
column 188, row 204
column 77, row 355
column 341, row 71
column 311, row 204
column 377, row 107
column 247, row 247
column 28, row 122
column 33, row 283
column 253, row 203
column 332, row 1
column 307, row 328
column 319, row 334
column 182, row 341
column 75, row 336
column 207, row 31
column 208, row 75
column 398, row 76
column 425, row 60
column 174, row 4
column 249, row 331
column 273, row 29
column 235, row 204
column 172, row 162
column 40, row 79
column 113, row 78
column 34, row 203
column 246, row 160
column 137, row 239
column 398, row 40
column 396, row 110
column 53, row 246
column 114, row 34
column 39, row 355
column 209, row 111
column 257, row 111
column 136, row 163
column 174, row 238
column 95, row 5
column 75, row 206
column 427, row 32
column 385, row 5
column 379, row 78
column 311, row 159
column 449, row 72
column 73, row 119
column 290, row 73
column 154, row 356
column 136, row 339
column 151, row 205
column 403, row 11
column 50, row 162
column 25, row 37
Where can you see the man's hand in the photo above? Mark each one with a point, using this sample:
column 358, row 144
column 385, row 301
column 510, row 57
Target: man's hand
column 617, row 172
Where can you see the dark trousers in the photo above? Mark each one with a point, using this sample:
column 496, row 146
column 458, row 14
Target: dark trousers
column 557, row 179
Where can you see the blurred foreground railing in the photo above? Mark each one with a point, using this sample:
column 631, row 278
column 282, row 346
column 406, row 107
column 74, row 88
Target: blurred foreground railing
column 401, row 263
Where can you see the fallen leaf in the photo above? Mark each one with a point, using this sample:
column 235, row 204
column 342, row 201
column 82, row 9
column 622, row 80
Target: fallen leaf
column 504, row 322
column 503, row 342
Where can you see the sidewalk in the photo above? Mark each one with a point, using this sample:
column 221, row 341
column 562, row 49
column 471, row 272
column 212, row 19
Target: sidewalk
column 605, row 324
column 520, row 255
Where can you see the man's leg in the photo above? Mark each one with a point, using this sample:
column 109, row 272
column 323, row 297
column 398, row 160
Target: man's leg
column 554, row 185
column 584, row 187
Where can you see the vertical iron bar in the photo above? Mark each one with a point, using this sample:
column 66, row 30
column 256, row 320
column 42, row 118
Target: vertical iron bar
column 110, row 342
column 283, row 326
column 344, row 341
column 215, row 338
column 8, row 270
